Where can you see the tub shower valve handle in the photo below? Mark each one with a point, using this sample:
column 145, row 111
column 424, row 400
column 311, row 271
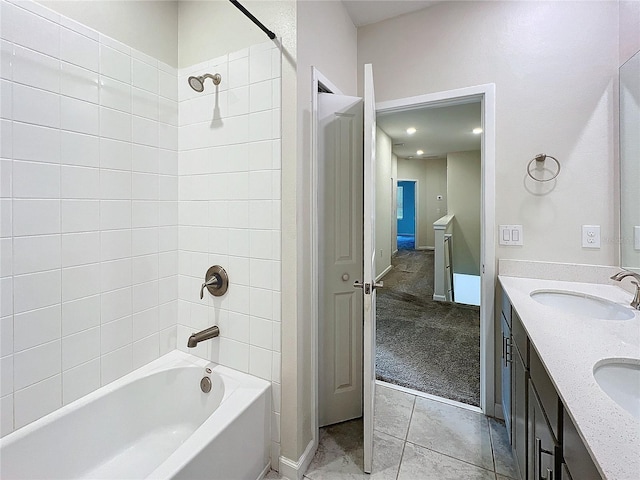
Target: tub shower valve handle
column 216, row 281
column 212, row 282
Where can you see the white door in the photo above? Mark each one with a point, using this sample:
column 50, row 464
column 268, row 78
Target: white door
column 339, row 139
column 369, row 264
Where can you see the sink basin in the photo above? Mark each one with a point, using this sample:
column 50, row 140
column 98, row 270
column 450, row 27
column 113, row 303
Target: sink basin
column 582, row 304
column 620, row 380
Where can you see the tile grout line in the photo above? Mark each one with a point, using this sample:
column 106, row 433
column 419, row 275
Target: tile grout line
column 493, row 455
column 404, row 444
column 449, row 456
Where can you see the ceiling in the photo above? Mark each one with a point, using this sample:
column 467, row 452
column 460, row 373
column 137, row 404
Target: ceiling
column 439, row 130
column 365, row 12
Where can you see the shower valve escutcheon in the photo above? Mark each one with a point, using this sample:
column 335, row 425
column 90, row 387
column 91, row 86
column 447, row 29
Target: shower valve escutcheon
column 216, row 281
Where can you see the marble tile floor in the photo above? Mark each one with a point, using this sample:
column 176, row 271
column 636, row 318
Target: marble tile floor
column 416, row 439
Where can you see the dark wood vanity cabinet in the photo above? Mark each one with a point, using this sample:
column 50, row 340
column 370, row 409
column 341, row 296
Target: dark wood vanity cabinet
column 575, row 454
column 544, row 440
column 519, row 394
column 543, row 452
column 506, row 362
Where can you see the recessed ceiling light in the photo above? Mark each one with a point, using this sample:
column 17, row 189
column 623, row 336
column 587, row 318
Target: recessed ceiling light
column 419, row 152
column 411, row 130
column 477, row 130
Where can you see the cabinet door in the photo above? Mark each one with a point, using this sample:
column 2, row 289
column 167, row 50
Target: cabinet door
column 543, row 451
column 575, row 454
column 519, row 408
column 506, row 374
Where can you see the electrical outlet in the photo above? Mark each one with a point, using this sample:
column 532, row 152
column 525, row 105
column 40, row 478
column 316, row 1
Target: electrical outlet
column 591, row 236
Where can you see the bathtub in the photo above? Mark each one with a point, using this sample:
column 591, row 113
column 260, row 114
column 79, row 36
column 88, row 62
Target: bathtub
column 155, row 422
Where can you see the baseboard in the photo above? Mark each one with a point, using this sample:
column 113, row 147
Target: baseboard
column 425, row 248
column 497, row 411
column 439, row 298
column 264, row 471
column 386, row 270
column 292, row 470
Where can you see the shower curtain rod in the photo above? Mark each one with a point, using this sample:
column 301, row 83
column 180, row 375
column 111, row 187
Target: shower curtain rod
column 269, row 33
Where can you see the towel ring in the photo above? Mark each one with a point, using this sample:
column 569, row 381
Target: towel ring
column 539, row 159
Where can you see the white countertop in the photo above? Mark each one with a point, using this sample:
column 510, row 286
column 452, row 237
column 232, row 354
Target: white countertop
column 569, row 346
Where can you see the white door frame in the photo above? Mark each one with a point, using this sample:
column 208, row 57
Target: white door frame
column 317, row 78
column 486, row 94
column 415, row 208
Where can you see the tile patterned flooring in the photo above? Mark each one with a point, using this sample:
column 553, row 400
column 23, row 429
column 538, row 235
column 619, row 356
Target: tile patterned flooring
column 416, row 439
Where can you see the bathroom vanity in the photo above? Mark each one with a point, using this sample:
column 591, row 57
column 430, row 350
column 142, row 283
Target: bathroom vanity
column 562, row 424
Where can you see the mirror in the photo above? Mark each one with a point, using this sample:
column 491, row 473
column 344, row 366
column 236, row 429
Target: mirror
column 630, row 164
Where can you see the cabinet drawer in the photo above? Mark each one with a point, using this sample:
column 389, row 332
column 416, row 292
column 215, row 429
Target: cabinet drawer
column 546, row 392
column 506, row 308
column 575, row 454
column 520, row 338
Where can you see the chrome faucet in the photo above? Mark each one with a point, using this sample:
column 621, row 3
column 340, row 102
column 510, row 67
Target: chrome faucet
column 205, row 334
column 635, row 303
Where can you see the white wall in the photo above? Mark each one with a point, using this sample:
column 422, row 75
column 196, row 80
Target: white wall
column 385, row 244
column 89, row 211
column 148, row 26
column 432, row 181
column 334, row 55
column 229, row 213
column 629, row 21
column 212, row 28
column 555, row 69
column 464, row 200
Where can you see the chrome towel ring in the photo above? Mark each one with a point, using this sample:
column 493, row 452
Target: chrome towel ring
column 539, row 159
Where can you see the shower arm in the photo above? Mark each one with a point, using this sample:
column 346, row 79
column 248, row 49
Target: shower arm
column 239, row 6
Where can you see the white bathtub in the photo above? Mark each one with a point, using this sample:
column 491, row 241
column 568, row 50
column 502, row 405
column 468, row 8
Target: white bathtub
column 153, row 423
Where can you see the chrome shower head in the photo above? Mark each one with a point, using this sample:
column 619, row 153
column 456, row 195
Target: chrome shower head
column 197, row 83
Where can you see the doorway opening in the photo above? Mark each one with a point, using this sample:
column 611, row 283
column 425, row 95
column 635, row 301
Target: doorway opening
column 429, row 340
column 406, row 214
column 485, row 95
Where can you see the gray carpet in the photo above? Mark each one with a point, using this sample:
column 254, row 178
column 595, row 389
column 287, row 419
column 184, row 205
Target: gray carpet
column 433, row 347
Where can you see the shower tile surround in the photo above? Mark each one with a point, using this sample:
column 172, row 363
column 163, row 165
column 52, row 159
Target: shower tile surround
column 119, row 187
column 229, row 213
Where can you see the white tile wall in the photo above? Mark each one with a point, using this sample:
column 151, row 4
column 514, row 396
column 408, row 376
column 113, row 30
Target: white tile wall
column 82, row 164
column 229, row 212
column 135, row 186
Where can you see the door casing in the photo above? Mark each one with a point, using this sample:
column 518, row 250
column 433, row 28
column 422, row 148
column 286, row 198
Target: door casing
column 486, row 95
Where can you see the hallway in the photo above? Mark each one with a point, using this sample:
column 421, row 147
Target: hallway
column 429, row 346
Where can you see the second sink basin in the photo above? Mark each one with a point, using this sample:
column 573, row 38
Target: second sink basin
column 582, row 304
column 620, row 380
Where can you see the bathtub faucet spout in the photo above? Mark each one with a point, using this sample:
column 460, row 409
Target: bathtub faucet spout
column 205, row 334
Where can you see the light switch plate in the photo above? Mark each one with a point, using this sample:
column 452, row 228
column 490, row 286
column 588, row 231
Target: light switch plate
column 636, row 238
column 511, row 235
column 591, row 236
